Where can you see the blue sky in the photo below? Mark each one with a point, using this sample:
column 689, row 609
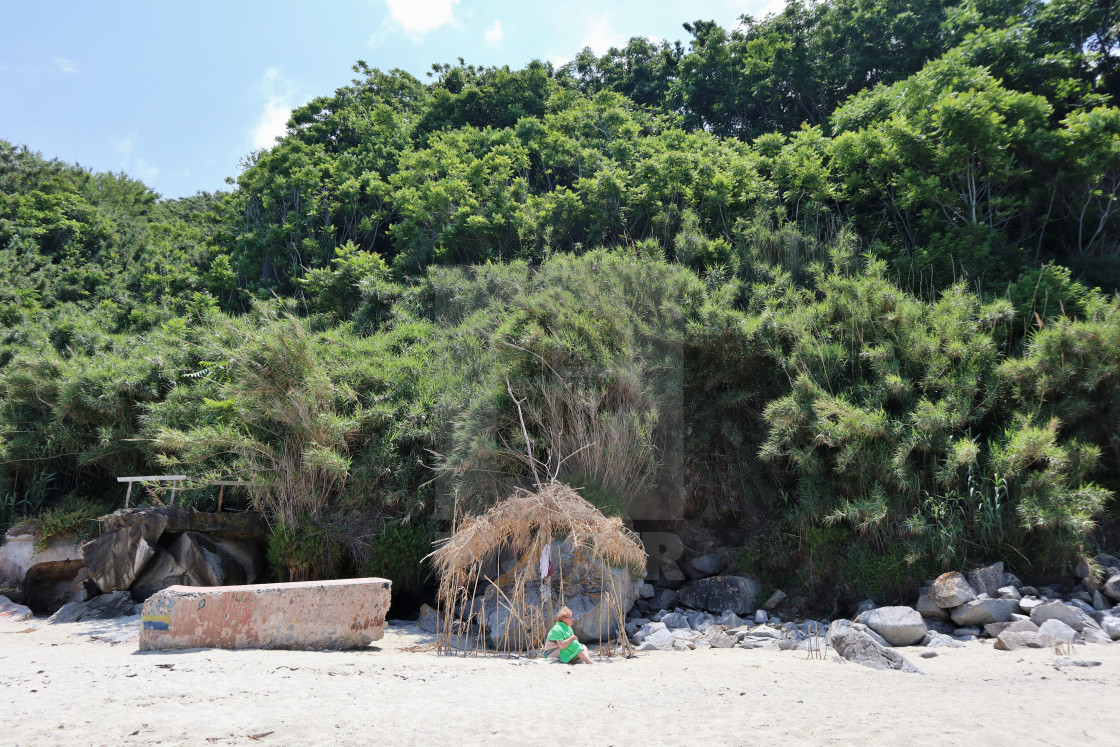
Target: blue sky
column 176, row 94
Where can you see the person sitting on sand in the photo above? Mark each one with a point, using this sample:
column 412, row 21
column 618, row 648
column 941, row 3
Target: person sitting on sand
column 563, row 640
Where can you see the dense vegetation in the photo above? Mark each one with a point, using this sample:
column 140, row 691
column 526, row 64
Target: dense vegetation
column 837, row 288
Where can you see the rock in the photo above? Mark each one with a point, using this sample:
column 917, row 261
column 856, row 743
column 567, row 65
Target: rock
column 928, row 654
column 116, row 558
column 675, row 620
column 1082, row 570
column 1014, row 640
column 646, row 591
column 247, row 525
column 310, row 615
column 1111, row 587
column 660, row 640
column 765, row 631
column 730, row 619
column 429, row 619
column 940, row 640
column 1027, row 590
column 1009, row 592
column 950, row 590
column 1015, row 626
column 707, row 565
column 1028, row 603
column 1010, row 579
column 646, row 630
column 774, row 600
column 1108, row 562
column 1054, row 632
column 1094, row 635
column 899, row 626
column 720, row 593
column 987, row 580
column 941, row 626
column 664, row 599
column 929, row 610
column 698, row 620
column 1080, row 604
column 1099, row 602
column 865, row 606
column 103, row 607
column 761, row 617
column 1071, row 616
column 1111, row 626
column 856, row 645
column 200, row 560
column 12, row 612
column 984, row 611
column 720, row 639
column 1065, row 661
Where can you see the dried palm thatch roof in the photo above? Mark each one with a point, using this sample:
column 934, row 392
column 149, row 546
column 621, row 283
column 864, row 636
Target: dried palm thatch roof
column 526, row 519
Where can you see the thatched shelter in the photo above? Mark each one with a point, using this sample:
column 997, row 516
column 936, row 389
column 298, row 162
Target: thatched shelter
column 537, row 534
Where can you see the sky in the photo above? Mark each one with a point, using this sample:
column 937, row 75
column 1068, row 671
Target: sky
column 177, row 94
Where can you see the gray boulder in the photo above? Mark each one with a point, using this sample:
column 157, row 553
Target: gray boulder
column 1015, row 626
column 720, row 639
column 720, row 593
column 707, row 565
column 987, row 580
column 899, row 626
column 729, row 619
column 658, row 640
column 675, row 620
column 200, row 560
column 646, row 591
column 1111, row 587
column 927, row 609
column 1028, row 603
column 1094, row 635
column 1009, row 592
column 103, row 607
column 115, row 559
column 1054, row 632
column 699, row 620
column 940, row 640
column 1108, row 562
column 761, row 617
column 856, row 645
column 950, row 590
column 647, row 630
column 765, row 631
column 12, row 612
column 1111, row 626
column 664, row 599
column 1015, row 640
column 983, row 611
column 1099, row 602
column 865, row 605
column 774, row 600
column 1071, row 616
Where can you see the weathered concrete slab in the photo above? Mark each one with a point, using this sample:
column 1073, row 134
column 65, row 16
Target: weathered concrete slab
column 342, row 614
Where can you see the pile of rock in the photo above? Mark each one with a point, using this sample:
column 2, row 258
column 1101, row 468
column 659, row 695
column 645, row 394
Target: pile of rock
column 682, row 629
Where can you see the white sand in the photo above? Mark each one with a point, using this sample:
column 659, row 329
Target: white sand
column 69, row 685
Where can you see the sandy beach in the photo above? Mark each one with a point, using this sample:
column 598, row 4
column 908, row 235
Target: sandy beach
column 86, row 683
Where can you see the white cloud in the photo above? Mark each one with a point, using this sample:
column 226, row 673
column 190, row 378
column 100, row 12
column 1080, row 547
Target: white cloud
column 415, row 17
column 602, row 37
column 66, row 66
column 132, row 164
column 494, row 33
column 273, row 122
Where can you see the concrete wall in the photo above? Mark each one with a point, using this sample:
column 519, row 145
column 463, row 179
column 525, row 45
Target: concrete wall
column 18, row 556
column 342, row 614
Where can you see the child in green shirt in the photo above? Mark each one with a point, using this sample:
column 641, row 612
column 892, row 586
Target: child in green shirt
column 561, row 638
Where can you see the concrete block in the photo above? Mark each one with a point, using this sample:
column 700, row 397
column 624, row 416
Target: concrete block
column 342, row 614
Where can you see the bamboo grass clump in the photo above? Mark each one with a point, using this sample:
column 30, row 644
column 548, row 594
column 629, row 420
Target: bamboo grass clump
column 522, row 526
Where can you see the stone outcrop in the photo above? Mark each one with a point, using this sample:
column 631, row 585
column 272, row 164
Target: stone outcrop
column 720, row 594
column 899, row 626
column 19, row 557
column 314, row 615
column 102, row 607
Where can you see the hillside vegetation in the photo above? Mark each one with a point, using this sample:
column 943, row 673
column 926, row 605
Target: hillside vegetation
column 836, row 289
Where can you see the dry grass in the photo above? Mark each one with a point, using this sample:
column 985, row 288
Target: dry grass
column 523, row 525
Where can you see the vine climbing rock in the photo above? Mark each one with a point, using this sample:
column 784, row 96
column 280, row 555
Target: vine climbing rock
column 311, row 615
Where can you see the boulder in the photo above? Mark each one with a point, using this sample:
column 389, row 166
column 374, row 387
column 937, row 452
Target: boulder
column 1015, row 626
column 987, row 580
column 247, row 525
column 950, row 590
column 1009, row 592
column 760, row 617
column 865, row 605
column 720, row 593
column 1054, row 632
column 1107, row 562
column 647, row 630
column 429, row 619
column 646, row 591
column 12, row 612
column 21, row 554
column 706, row 565
column 200, row 560
column 928, row 609
column 658, row 640
column 899, row 626
column 984, row 611
column 720, row 639
column 664, row 599
column 774, row 600
column 698, row 620
column 1111, row 587
column 940, row 640
column 856, row 645
column 1015, row 640
column 1111, row 626
column 675, row 620
column 729, row 619
column 1028, row 603
column 104, row 607
column 310, row 615
column 1099, row 602
column 1094, row 635
column 765, row 631
column 1071, row 616
column 116, row 558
